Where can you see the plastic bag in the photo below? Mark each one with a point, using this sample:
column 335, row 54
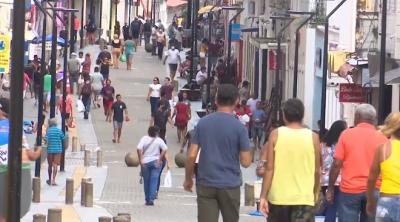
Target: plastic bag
column 80, row 107
column 122, row 58
column 168, row 179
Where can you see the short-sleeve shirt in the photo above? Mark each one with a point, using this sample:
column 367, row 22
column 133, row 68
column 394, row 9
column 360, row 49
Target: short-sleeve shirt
column 258, row 117
column 54, row 138
column 151, row 147
column 97, row 80
column 221, row 138
column 356, row 148
column 155, row 90
column 167, row 90
column 107, row 92
column 173, row 56
column 47, row 83
column 118, row 109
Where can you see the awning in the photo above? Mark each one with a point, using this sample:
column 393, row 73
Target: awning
column 208, row 8
column 175, row 3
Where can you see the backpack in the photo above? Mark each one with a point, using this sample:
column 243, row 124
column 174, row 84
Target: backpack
column 86, row 89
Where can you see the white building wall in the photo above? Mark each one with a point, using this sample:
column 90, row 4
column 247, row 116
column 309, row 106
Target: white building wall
column 306, row 85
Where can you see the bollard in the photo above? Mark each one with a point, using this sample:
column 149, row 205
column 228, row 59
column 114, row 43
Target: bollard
column 99, row 158
column 88, row 194
column 83, row 190
column 83, row 147
column 69, row 191
column 36, row 190
column 54, row 215
column 126, row 215
column 120, row 219
column 74, row 144
column 105, row 219
column 39, row 218
column 249, row 194
column 87, row 158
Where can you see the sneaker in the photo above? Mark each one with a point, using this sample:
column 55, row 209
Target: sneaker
column 149, row 203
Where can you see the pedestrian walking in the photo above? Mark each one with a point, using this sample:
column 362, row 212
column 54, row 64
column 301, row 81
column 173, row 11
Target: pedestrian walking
column 119, row 114
column 125, row 31
column 161, row 40
column 203, row 52
column 86, row 67
column 160, row 119
column 386, row 164
column 77, row 26
column 182, row 112
column 224, row 147
column 86, row 93
column 174, row 60
column 167, row 89
column 244, row 91
column 353, row 156
column 107, row 92
column 258, row 125
column 97, row 82
column 151, row 150
column 291, row 181
column 55, row 138
column 104, row 60
column 117, row 29
column 46, row 90
column 68, row 109
column 327, row 151
column 117, row 45
column 91, row 29
column 179, row 38
column 28, row 155
column 147, row 31
column 154, row 95
column 154, row 40
column 73, row 69
column 27, row 82
column 129, row 48
column 136, row 29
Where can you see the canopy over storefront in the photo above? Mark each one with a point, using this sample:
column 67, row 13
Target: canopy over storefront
column 209, row 8
column 175, row 3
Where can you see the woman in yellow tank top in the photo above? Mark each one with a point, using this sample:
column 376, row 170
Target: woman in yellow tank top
column 291, row 180
column 387, row 164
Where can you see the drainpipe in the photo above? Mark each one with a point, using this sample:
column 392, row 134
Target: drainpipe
column 325, row 63
column 296, row 55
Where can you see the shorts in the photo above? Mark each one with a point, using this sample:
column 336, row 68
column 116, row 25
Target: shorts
column 67, row 115
column 257, row 132
column 288, row 213
column 107, row 104
column 54, row 158
column 117, row 125
column 173, row 67
column 46, row 96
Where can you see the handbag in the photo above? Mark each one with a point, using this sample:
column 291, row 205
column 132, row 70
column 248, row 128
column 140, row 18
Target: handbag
column 122, row 58
column 144, row 151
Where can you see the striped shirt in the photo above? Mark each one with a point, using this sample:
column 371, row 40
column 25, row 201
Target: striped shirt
column 54, row 138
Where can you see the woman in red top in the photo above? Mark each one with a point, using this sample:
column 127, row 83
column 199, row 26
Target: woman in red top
column 86, row 65
column 183, row 114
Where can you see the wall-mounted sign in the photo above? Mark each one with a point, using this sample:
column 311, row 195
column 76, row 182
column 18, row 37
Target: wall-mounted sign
column 351, row 93
column 235, row 32
column 5, row 48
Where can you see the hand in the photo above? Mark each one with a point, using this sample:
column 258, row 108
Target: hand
column 147, row 99
column 188, row 185
column 142, row 163
column 371, row 207
column 158, row 163
column 127, row 118
column 329, row 196
column 264, row 206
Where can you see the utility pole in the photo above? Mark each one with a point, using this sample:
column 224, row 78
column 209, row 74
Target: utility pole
column 382, row 64
column 16, row 114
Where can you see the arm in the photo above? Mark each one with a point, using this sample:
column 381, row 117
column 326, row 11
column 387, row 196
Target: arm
column 140, row 155
column 189, row 169
column 126, row 114
column 245, row 158
column 333, row 175
column 148, row 94
column 372, row 178
column 269, row 173
column 317, row 172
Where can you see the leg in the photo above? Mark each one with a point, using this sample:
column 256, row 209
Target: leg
column 178, row 131
column 50, row 167
column 115, row 132
column 146, row 181
column 279, row 213
column 331, row 210
column 159, row 176
column 154, row 180
column 119, row 133
column 207, row 204
column 229, row 202
column 388, row 209
column 55, row 169
column 349, row 207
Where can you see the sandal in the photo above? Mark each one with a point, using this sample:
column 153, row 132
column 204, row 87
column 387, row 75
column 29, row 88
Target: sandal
column 48, row 182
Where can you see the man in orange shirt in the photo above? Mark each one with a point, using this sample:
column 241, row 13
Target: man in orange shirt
column 353, row 156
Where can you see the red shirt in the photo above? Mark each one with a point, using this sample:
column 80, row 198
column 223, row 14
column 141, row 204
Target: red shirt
column 356, row 148
column 77, row 24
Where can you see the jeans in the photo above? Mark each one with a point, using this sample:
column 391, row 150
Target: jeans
column 210, row 201
column 147, row 36
column 331, row 209
column 352, row 208
column 154, row 44
column 86, row 102
column 160, row 49
column 150, row 172
column 388, row 209
column 73, row 80
column 154, row 103
column 164, row 162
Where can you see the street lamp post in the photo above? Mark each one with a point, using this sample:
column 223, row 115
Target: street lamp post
column 53, row 59
column 325, row 64
column 195, row 9
column 16, row 113
column 382, row 60
column 228, row 60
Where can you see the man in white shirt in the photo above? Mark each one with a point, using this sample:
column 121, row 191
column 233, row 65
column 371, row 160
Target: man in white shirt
column 173, row 60
column 201, row 76
column 252, row 102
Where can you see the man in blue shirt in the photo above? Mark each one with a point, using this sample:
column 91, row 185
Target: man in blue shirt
column 55, row 139
column 222, row 144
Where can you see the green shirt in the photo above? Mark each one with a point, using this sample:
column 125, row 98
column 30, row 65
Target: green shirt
column 47, row 83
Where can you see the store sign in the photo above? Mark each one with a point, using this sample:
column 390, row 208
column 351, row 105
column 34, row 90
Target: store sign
column 235, row 32
column 5, row 44
column 351, row 93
